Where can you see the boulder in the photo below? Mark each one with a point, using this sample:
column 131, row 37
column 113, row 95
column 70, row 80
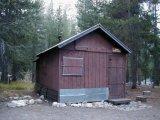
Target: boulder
column 88, row 105
column 41, row 97
column 17, row 103
column 107, row 105
column 27, row 97
column 46, row 101
column 98, row 104
column 38, row 101
column 31, row 102
column 15, row 98
column 55, row 104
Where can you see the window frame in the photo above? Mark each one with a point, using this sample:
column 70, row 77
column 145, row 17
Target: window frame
column 81, row 66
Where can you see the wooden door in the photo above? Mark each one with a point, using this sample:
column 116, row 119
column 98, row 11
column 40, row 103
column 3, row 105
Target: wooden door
column 95, row 67
column 116, row 76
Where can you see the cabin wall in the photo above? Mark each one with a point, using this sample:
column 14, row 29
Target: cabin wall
column 93, row 52
column 96, row 51
column 48, row 70
column 47, row 75
column 93, row 75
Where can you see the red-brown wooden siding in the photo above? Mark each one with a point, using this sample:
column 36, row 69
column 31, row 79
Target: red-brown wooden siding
column 48, row 68
column 70, row 81
column 94, row 43
column 95, row 51
column 116, row 70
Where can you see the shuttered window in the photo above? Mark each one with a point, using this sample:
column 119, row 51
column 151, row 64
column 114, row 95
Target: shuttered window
column 72, row 66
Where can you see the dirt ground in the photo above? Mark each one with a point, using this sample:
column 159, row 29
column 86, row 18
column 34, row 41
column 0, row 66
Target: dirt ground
column 47, row 112
column 153, row 99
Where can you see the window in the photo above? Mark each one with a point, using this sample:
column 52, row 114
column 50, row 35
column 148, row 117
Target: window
column 72, row 66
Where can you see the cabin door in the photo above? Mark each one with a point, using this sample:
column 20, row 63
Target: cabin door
column 116, row 76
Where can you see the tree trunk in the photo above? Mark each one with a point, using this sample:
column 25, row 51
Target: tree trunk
column 127, row 70
column 4, row 76
column 145, row 79
column 156, row 71
column 134, row 71
column 33, row 63
column 3, row 62
column 14, row 71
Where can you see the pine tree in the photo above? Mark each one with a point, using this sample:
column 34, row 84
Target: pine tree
column 18, row 19
column 155, row 42
column 50, row 22
column 126, row 20
column 88, row 13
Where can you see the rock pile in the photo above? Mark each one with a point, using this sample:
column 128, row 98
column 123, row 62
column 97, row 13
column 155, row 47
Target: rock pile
column 17, row 103
column 23, row 101
column 27, row 97
column 28, row 100
column 133, row 106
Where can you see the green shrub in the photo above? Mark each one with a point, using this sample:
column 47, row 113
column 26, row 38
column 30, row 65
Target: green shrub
column 18, row 85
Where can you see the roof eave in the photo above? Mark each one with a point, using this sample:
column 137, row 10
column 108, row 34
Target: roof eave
column 47, row 50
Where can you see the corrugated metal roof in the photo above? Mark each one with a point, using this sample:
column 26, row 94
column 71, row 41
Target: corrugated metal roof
column 75, row 37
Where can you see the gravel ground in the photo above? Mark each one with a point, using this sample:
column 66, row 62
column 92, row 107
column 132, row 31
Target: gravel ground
column 47, row 112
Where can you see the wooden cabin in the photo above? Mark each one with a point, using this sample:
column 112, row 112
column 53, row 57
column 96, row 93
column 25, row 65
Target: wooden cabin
column 90, row 66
